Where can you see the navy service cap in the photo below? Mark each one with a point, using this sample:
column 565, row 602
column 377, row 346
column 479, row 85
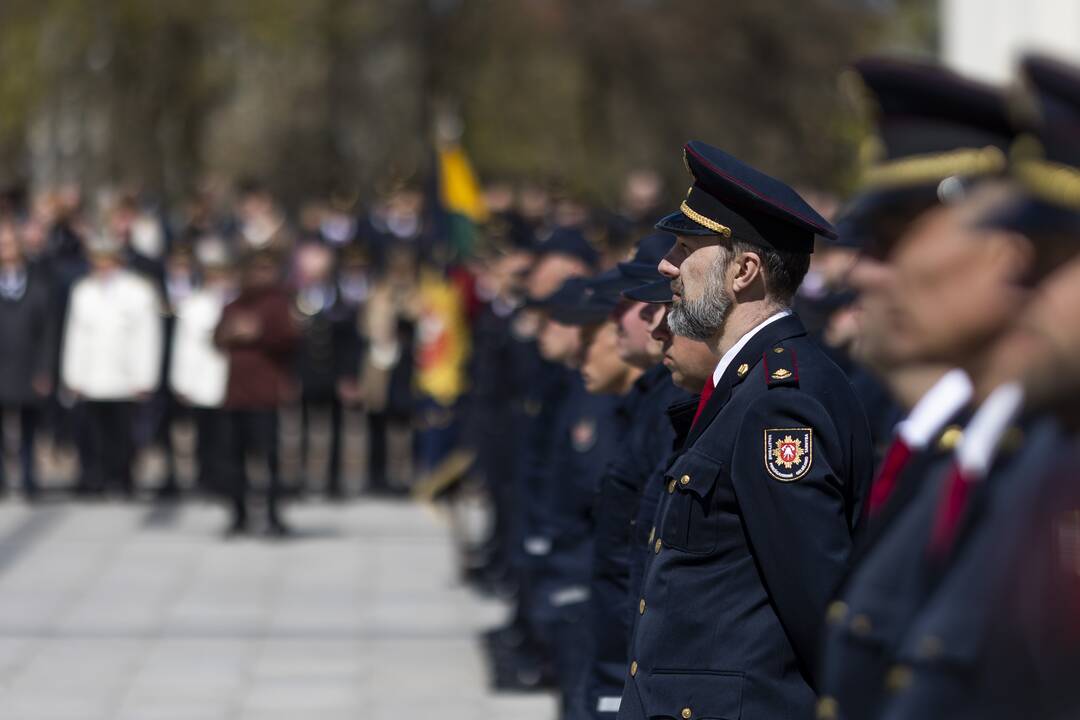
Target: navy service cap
column 1046, row 162
column 934, row 130
column 730, row 199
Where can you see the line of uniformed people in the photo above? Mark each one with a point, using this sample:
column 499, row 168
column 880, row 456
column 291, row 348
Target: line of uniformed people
column 688, row 499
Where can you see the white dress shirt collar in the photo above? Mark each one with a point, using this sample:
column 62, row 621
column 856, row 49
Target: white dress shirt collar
column 943, row 400
column 730, row 355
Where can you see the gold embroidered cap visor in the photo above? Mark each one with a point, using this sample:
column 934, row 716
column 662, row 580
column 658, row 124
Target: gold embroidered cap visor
column 702, row 215
column 1050, row 203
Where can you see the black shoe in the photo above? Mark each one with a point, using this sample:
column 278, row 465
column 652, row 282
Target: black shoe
column 236, row 528
column 276, row 528
column 168, row 492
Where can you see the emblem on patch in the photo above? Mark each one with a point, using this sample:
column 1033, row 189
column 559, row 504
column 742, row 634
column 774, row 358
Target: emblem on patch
column 583, row 435
column 789, row 452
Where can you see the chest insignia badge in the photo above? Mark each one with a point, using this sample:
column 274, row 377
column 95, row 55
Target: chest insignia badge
column 583, row 435
column 789, row 452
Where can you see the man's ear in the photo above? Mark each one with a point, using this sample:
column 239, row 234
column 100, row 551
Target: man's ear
column 747, row 270
column 1010, row 254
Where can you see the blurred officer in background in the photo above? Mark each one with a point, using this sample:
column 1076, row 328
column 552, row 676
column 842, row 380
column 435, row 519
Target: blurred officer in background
column 577, row 333
column 260, row 335
column 991, row 485
column 111, row 359
column 644, row 439
column 199, row 370
column 941, row 134
column 518, row 655
column 28, row 330
column 756, row 527
column 955, row 288
column 497, row 395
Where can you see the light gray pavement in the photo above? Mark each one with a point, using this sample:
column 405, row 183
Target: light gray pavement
column 123, row 612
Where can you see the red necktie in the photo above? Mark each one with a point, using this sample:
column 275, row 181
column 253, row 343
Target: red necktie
column 954, row 498
column 706, row 393
column 888, row 475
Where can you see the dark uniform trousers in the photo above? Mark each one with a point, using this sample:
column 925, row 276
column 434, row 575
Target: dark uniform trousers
column 645, row 440
column 754, row 534
column 106, row 445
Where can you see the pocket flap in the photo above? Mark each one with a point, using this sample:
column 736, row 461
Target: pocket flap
column 695, row 695
column 693, row 472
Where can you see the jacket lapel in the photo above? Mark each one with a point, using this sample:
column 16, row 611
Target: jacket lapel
column 750, row 355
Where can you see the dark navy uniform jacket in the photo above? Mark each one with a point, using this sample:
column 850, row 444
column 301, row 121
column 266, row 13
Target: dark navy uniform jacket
column 645, row 439
column 940, row 660
column 1032, row 648
column 584, row 438
column 679, row 414
column 880, row 597
column 754, row 534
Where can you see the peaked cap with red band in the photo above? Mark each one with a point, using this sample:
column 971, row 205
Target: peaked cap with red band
column 733, row 200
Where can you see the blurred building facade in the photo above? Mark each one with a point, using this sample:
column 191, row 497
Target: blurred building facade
column 984, row 38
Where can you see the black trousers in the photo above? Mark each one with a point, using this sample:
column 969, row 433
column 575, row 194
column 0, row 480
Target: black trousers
column 308, row 407
column 211, row 449
column 106, row 446
column 29, row 416
column 253, row 433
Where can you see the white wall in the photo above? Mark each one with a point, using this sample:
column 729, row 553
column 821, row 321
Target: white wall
column 983, row 37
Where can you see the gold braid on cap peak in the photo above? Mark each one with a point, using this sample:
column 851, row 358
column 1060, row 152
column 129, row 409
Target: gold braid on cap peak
column 967, row 162
column 1050, row 182
column 704, row 221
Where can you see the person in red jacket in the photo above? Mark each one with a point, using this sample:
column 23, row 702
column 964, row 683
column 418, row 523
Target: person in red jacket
column 260, row 335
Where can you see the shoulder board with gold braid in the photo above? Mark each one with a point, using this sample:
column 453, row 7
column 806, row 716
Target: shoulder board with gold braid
column 781, row 367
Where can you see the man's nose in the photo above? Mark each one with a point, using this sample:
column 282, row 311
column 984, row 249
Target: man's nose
column 658, row 329
column 668, row 268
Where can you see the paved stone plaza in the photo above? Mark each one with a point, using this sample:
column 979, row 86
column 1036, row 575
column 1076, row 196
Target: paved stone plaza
column 117, row 612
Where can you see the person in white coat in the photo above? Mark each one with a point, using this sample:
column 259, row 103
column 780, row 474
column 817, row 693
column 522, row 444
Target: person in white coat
column 110, row 360
column 200, row 370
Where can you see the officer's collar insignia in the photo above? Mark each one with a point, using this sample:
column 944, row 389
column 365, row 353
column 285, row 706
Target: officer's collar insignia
column 789, row 452
column 781, row 374
column 743, row 369
column 950, row 438
column 583, row 435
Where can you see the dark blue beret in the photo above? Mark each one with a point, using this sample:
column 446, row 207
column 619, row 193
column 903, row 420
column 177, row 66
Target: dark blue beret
column 657, row 291
column 575, row 303
column 731, row 199
column 571, row 242
column 650, row 251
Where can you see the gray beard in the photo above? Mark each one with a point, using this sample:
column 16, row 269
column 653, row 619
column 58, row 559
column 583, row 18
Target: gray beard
column 704, row 317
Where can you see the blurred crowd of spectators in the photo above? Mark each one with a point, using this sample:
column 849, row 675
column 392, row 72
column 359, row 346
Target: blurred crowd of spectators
column 122, row 316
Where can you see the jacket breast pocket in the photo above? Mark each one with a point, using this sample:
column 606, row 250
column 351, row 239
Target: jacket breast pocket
column 695, row 695
column 690, row 521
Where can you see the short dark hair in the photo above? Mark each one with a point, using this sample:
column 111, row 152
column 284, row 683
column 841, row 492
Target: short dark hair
column 784, row 270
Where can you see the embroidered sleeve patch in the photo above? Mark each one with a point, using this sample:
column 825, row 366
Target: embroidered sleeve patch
column 789, row 452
